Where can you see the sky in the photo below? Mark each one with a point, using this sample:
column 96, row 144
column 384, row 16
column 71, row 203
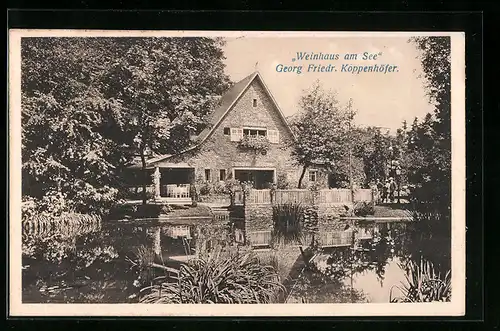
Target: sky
column 383, row 100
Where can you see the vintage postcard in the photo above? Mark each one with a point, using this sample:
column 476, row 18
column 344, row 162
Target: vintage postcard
column 216, row 173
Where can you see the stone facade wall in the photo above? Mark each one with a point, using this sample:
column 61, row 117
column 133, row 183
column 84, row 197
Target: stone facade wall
column 218, row 152
column 329, row 217
column 259, row 217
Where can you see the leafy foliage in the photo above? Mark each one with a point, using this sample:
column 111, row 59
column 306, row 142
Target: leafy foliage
column 283, row 182
column 257, row 143
column 231, row 186
column 222, row 277
column 423, row 284
column 429, row 141
column 363, row 208
column 321, row 129
column 64, row 149
column 89, row 105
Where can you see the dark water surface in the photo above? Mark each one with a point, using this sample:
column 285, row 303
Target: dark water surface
column 100, row 264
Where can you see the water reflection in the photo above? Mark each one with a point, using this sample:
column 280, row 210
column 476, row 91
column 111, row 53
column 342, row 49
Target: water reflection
column 99, row 264
column 94, row 266
column 369, row 269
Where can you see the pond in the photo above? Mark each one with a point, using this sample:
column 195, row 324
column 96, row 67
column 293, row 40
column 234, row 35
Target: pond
column 99, row 265
column 373, row 269
column 103, row 264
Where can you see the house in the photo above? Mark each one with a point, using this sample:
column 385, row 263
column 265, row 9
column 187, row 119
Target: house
column 247, row 138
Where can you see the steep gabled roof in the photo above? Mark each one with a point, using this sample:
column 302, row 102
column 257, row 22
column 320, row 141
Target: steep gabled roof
column 227, row 102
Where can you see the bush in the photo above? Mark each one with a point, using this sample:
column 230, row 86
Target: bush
column 282, row 181
column 231, row 186
column 363, row 208
column 222, row 277
column 212, row 188
column 257, row 143
column 52, row 205
column 206, row 188
column 89, row 199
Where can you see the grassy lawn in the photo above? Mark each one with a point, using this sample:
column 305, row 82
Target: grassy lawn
column 189, row 211
column 154, row 211
column 391, row 211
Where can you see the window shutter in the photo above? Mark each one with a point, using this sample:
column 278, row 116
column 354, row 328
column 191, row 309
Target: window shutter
column 274, row 136
column 236, row 134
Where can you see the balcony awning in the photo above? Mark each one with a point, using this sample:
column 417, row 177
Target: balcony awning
column 181, row 165
column 175, row 165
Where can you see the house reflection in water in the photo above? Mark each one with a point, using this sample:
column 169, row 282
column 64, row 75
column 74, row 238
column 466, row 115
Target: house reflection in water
column 178, row 231
column 171, row 240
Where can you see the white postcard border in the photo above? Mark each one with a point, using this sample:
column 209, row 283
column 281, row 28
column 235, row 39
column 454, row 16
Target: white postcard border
column 454, row 308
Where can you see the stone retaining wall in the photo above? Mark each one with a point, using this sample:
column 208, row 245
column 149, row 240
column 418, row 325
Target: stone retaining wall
column 259, row 217
column 321, row 217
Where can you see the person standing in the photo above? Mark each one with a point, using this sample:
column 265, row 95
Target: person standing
column 385, row 191
column 392, row 189
column 379, row 187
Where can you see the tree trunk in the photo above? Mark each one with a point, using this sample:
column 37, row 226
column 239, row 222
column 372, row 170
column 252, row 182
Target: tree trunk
column 302, row 176
column 144, row 178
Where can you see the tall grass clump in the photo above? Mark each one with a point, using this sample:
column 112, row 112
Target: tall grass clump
column 287, row 223
column 423, row 283
column 221, row 277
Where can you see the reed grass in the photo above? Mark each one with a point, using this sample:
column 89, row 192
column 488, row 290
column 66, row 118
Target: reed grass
column 287, row 223
column 423, row 283
column 221, row 277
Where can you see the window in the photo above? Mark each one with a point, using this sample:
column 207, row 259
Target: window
column 312, row 175
column 254, row 103
column 207, row 175
column 255, row 132
column 222, row 174
column 227, row 131
column 273, row 136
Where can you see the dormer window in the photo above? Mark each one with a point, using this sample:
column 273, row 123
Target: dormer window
column 254, row 132
column 254, row 103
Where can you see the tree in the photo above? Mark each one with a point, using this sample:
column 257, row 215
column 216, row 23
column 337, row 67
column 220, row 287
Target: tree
column 90, row 104
column 429, row 142
column 435, row 56
column 65, row 155
column 321, row 129
column 164, row 88
column 372, row 148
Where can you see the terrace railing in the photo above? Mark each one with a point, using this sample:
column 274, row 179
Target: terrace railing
column 175, row 190
column 267, row 196
column 363, row 195
column 336, row 239
column 259, row 238
column 335, row 196
column 293, row 196
column 258, row 197
column 306, row 196
column 325, row 239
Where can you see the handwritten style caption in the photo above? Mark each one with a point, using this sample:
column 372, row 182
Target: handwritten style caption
column 348, row 67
